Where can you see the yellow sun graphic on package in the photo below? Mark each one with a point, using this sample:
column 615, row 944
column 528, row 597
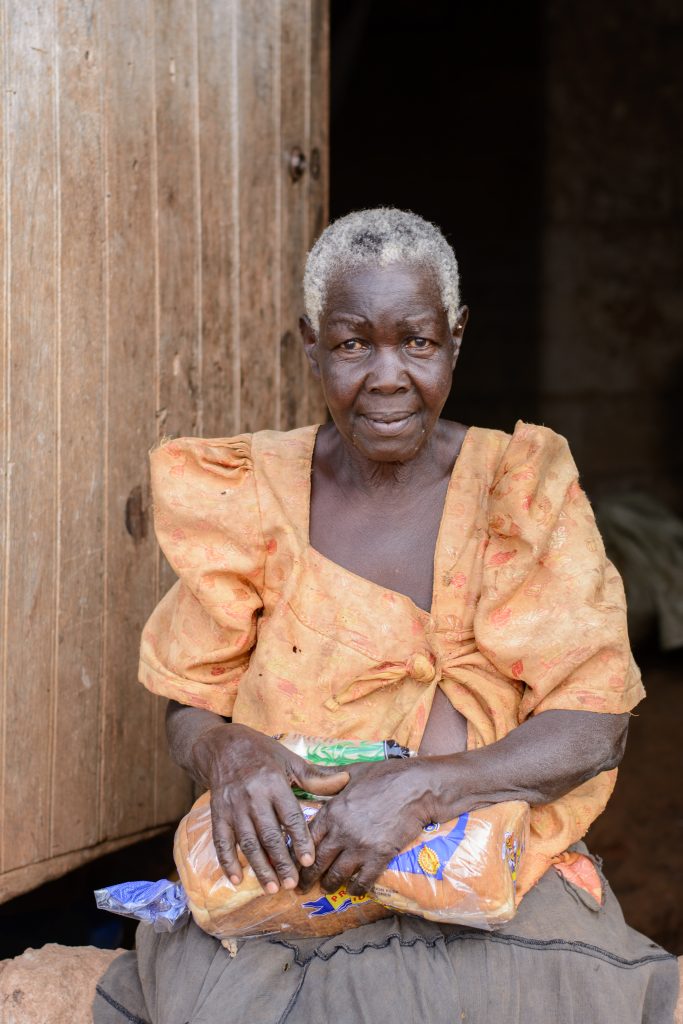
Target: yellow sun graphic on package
column 428, row 861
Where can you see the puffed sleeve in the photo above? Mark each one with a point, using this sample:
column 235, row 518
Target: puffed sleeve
column 552, row 613
column 197, row 642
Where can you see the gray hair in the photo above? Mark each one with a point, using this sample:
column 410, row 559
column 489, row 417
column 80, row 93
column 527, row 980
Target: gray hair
column 376, row 238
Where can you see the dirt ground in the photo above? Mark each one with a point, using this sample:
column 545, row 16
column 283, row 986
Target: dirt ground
column 640, row 835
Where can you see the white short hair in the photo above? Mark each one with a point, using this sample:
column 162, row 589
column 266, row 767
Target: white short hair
column 376, row 238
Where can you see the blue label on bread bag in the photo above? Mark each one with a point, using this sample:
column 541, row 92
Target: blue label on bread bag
column 430, row 858
column 335, row 903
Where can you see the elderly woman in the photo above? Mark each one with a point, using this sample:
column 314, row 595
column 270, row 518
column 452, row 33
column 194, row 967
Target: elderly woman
column 391, row 574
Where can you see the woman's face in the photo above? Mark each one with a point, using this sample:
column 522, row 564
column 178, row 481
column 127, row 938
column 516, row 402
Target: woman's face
column 385, row 356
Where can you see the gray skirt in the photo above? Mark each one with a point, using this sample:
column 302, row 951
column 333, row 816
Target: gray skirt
column 563, row 959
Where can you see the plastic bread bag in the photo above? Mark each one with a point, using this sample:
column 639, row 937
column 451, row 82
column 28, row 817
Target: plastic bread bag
column 227, row 911
column 162, row 904
column 461, row 872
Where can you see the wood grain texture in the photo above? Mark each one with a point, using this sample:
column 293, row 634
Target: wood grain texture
column 74, row 776
column 217, row 48
column 179, row 289
column 31, row 565
column 178, row 218
column 5, row 262
column 318, row 147
column 294, row 80
column 13, row 883
column 260, row 183
column 128, row 756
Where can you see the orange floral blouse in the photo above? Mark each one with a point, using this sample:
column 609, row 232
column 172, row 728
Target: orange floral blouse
column 527, row 613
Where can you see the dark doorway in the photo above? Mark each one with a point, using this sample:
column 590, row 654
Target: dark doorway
column 437, row 108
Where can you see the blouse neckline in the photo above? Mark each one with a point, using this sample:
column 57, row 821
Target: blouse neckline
column 313, row 552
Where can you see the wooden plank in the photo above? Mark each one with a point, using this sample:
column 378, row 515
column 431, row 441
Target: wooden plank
column 258, row 36
column 178, row 206
column 5, row 262
column 23, row 879
column 127, row 762
column 318, row 148
column 179, row 295
column 217, row 46
column 32, row 316
column 294, row 82
column 74, row 792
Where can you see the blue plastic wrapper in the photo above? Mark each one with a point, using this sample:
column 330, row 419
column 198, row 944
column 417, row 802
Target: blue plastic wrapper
column 162, row 904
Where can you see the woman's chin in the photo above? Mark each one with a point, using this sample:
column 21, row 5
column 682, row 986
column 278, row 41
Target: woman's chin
column 396, row 441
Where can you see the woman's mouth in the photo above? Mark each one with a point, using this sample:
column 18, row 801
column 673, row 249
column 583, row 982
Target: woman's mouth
column 388, row 426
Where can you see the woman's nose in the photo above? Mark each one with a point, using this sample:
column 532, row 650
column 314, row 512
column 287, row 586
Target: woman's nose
column 387, row 374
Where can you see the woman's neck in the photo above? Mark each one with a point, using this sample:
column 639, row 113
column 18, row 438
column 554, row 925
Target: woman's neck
column 352, row 470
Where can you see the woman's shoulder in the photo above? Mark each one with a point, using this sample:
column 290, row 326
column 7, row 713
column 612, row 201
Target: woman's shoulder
column 179, row 452
column 256, row 477
column 531, row 445
column 539, row 449
column 237, row 453
column 196, row 480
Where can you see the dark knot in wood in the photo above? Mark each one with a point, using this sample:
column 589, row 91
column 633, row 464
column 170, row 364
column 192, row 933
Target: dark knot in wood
column 136, row 515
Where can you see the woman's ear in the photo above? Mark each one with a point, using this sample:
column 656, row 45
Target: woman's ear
column 459, row 330
column 310, row 340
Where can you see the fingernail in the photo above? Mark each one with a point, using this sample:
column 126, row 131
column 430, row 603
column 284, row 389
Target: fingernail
column 235, row 879
column 307, row 860
column 272, row 888
column 288, row 883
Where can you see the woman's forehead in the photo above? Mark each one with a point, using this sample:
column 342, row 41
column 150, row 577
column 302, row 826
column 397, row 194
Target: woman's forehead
column 363, row 292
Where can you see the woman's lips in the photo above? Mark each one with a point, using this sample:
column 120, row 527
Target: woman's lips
column 388, row 427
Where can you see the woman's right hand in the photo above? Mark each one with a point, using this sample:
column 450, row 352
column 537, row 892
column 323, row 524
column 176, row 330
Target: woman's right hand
column 250, row 776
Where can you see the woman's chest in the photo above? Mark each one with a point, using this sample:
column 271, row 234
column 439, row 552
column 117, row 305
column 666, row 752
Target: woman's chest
column 390, row 544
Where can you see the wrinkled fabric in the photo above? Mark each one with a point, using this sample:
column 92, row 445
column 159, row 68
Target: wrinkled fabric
column 580, row 870
column 527, row 613
column 564, row 959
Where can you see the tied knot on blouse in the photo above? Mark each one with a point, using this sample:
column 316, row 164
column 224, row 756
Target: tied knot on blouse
column 423, row 667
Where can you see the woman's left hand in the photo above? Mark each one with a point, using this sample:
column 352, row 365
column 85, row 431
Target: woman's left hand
column 359, row 830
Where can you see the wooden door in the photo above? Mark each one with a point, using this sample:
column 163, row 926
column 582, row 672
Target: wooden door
column 154, row 222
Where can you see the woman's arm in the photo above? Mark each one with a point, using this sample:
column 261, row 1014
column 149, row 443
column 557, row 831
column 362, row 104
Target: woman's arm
column 364, row 826
column 184, row 726
column 539, row 761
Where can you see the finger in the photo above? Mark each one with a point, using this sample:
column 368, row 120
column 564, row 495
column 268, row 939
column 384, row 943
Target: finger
column 325, row 854
column 366, row 877
column 318, row 827
column 356, row 771
column 250, row 845
column 272, row 840
column 224, row 841
column 340, row 872
column 318, row 779
column 292, row 819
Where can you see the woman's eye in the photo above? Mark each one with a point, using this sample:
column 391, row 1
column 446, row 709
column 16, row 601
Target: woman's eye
column 418, row 344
